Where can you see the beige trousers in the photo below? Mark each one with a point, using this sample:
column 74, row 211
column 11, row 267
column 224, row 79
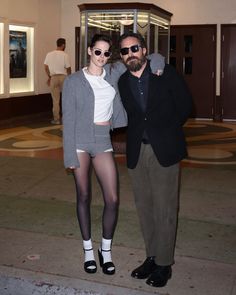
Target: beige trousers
column 56, row 85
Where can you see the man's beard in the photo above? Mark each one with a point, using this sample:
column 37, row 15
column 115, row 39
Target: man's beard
column 134, row 64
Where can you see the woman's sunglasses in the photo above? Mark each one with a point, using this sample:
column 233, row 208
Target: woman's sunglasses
column 98, row 52
column 125, row 50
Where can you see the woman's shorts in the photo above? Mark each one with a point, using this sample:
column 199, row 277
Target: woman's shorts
column 102, row 142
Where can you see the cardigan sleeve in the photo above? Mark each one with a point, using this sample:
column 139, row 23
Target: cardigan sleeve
column 157, row 63
column 69, row 123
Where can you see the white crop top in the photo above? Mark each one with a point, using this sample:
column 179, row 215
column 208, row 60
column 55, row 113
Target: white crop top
column 104, row 94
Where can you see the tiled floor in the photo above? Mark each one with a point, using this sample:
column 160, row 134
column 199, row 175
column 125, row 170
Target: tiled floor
column 209, row 143
column 37, row 217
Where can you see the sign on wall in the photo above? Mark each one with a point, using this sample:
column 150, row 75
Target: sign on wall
column 18, row 54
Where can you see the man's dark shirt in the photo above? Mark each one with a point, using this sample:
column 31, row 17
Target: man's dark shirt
column 140, row 87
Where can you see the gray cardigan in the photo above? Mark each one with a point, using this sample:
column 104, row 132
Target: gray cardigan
column 78, row 108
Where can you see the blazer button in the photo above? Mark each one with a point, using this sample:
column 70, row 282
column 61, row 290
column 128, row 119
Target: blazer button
column 145, row 119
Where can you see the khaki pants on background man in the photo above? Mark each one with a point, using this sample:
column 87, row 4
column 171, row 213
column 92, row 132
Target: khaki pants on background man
column 56, row 85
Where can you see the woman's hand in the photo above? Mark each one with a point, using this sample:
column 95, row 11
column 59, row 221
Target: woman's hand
column 159, row 72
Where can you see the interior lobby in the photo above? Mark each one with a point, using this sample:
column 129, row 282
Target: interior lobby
column 40, row 244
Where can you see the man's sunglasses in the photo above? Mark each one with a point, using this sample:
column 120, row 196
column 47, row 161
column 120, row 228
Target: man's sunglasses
column 98, row 52
column 125, row 50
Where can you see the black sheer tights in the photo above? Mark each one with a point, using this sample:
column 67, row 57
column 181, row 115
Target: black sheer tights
column 105, row 169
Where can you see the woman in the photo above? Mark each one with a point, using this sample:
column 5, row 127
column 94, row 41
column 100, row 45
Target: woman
column 91, row 108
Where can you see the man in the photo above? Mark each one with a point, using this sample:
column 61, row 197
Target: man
column 57, row 66
column 157, row 107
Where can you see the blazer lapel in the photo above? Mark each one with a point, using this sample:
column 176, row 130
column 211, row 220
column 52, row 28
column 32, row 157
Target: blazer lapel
column 129, row 97
column 152, row 90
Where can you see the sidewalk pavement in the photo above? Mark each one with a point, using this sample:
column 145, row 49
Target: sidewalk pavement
column 41, row 248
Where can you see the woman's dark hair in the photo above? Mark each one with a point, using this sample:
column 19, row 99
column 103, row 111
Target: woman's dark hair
column 100, row 37
column 138, row 36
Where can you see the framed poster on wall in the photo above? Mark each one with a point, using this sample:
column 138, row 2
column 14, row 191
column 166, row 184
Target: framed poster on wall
column 18, row 54
column 21, row 59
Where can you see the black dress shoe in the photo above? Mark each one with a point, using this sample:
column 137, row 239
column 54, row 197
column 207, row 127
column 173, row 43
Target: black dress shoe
column 144, row 270
column 160, row 276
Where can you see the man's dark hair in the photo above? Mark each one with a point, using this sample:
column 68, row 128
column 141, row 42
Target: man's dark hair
column 100, row 37
column 138, row 36
column 60, row 42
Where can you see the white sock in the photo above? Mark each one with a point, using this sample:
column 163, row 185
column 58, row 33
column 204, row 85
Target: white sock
column 88, row 250
column 106, row 245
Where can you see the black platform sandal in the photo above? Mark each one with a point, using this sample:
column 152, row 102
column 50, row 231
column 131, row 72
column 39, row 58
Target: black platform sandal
column 108, row 268
column 90, row 266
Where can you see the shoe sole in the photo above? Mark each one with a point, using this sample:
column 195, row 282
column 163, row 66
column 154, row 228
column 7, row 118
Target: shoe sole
column 140, row 278
column 160, row 285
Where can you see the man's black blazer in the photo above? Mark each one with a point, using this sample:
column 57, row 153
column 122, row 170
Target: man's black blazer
column 168, row 107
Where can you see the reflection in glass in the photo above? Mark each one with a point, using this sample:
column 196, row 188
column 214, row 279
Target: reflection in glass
column 188, row 43
column 143, row 27
column 82, row 57
column 173, row 61
column 1, row 57
column 154, row 29
column 163, row 41
column 188, row 65
column 172, row 44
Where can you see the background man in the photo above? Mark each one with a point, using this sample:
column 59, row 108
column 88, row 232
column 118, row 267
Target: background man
column 57, row 66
